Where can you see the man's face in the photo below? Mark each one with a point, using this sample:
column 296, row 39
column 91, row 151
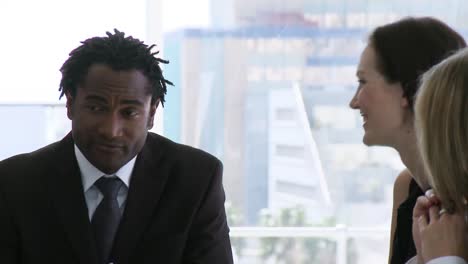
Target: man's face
column 111, row 114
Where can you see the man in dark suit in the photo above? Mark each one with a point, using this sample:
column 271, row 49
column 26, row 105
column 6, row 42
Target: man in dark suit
column 110, row 191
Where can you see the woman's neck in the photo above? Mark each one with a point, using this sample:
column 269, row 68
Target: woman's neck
column 409, row 154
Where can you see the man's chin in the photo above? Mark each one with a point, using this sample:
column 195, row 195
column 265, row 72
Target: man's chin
column 107, row 167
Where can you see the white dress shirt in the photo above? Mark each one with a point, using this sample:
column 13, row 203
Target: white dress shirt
column 90, row 174
column 441, row 260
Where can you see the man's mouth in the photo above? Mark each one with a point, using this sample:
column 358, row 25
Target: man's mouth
column 109, row 147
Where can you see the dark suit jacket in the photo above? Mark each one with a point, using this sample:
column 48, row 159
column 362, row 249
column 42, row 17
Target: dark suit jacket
column 174, row 211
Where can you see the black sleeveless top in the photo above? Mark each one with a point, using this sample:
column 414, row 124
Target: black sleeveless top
column 403, row 245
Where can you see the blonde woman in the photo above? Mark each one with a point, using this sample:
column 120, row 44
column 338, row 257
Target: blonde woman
column 439, row 221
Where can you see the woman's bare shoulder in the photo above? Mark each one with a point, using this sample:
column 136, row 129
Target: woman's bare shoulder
column 401, row 187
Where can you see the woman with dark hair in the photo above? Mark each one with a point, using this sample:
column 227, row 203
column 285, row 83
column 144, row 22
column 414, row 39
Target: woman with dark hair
column 388, row 74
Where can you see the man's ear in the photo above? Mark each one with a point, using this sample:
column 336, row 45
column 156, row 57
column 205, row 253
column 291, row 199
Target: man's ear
column 404, row 102
column 69, row 105
column 152, row 113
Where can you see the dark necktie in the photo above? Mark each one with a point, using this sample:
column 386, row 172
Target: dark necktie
column 106, row 218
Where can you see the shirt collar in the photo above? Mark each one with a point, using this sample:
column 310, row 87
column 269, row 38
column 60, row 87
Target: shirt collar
column 90, row 174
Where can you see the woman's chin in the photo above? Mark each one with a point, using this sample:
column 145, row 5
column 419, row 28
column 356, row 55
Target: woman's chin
column 368, row 140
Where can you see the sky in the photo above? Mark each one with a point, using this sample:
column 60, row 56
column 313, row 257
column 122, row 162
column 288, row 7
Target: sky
column 195, row 13
column 38, row 35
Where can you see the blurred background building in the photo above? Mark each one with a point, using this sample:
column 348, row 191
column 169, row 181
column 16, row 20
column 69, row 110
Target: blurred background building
column 266, row 89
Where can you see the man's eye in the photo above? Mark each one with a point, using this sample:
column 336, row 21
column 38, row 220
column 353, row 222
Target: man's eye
column 131, row 112
column 95, row 108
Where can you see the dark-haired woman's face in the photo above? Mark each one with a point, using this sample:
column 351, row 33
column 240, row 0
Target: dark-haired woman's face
column 381, row 103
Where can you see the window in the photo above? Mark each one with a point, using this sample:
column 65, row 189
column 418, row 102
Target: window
column 264, row 85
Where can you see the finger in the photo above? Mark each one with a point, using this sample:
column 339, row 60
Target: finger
column 457, row 218
column 442, row 212
column 433, row 199
column 421, row 207
column 422, row 202
column 422, row 223
column 434, row 213
column 429, row 193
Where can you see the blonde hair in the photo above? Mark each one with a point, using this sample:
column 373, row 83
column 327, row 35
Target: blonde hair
column 441, row 112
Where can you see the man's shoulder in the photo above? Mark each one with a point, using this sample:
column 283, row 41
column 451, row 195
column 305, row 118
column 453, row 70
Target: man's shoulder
column 29, row 161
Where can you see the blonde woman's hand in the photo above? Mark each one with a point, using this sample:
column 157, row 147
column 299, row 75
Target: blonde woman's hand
column 441, row 234
column 421, row 209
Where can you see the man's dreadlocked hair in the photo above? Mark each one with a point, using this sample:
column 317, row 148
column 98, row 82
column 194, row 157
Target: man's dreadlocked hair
column 118, row 52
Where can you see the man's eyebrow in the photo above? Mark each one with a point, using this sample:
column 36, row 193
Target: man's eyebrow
column 131, row 102
column 123, row 101
column 95, row 98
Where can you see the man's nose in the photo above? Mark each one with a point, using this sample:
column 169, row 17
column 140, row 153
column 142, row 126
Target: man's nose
column 111, row 126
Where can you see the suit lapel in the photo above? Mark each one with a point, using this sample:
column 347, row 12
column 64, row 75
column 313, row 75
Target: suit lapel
column 146, row 186
column 68, row 198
